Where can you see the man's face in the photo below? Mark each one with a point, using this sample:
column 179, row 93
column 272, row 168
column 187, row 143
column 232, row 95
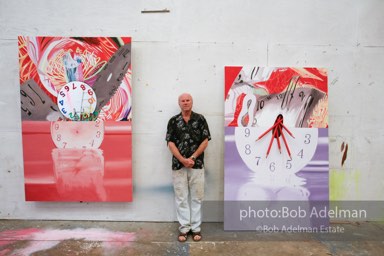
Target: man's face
column 185, row 102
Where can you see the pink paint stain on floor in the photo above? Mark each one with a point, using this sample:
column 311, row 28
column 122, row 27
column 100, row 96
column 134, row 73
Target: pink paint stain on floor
column 43, row 239
column 21, row 234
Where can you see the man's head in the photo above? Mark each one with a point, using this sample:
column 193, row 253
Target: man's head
column 185, row 102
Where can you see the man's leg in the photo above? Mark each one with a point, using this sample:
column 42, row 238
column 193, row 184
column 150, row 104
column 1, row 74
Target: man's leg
column 196, row 184
column 180, row 185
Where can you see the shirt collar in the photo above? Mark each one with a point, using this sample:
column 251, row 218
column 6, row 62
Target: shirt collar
column 193, row 116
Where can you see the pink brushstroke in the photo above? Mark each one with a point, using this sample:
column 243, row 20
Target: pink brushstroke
column 23, row 234
column 43, row 239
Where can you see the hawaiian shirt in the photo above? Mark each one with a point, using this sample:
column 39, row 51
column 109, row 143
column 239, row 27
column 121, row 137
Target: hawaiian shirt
column 187, row 137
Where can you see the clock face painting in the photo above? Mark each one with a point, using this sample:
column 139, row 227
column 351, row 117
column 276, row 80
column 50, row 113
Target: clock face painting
column 261, row 157
column 64, row 134
column 76, row 99
column 276, row 134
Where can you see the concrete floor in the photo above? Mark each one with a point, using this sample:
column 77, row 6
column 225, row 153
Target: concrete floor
column 24, row 237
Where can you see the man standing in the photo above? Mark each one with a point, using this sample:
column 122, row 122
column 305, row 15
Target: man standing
column 187, row 138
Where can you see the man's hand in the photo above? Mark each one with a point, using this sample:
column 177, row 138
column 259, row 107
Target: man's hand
column 188, row 162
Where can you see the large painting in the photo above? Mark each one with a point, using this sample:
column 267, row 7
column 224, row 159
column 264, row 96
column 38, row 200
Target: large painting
column 76, row 111
column 276, row 135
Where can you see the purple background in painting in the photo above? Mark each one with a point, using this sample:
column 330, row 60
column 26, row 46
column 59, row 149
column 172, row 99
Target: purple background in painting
column 236, row 173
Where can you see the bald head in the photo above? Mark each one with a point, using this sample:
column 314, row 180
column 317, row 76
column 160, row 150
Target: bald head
column 185, row 95
column 185, row 102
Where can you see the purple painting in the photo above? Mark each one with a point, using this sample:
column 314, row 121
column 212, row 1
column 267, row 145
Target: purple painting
column 276, row 146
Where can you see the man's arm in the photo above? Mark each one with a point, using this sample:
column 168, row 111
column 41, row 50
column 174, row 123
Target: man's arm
column 203, row 145
column 187, row 162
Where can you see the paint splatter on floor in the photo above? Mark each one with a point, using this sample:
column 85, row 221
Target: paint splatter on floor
column 45, row 239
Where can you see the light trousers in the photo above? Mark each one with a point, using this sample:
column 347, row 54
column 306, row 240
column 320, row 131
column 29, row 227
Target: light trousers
column 188, row 185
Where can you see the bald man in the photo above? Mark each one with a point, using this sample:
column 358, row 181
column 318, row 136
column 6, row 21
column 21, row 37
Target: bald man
column 187, row 138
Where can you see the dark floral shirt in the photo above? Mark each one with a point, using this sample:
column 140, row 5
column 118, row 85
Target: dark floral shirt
column 187, row 137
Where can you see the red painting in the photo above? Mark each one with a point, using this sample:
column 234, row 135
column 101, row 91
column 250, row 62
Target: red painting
column 76, row 99
column 276, row 88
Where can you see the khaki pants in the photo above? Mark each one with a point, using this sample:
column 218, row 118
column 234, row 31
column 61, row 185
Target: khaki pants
column 188, row 185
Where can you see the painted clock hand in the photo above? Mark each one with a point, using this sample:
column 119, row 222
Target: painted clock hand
column 275, row 134
column 285, row 128
column 277, row 131
column 264, row 133
column 270, row 144
column 285, row 143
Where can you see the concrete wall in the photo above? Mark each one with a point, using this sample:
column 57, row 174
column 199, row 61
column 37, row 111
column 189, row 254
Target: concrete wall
column 186, row 49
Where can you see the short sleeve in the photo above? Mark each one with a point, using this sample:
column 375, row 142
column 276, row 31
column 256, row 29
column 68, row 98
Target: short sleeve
column 205, row 129
column 170, row 136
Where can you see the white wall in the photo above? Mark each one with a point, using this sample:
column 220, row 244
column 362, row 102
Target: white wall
column 186, row 50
